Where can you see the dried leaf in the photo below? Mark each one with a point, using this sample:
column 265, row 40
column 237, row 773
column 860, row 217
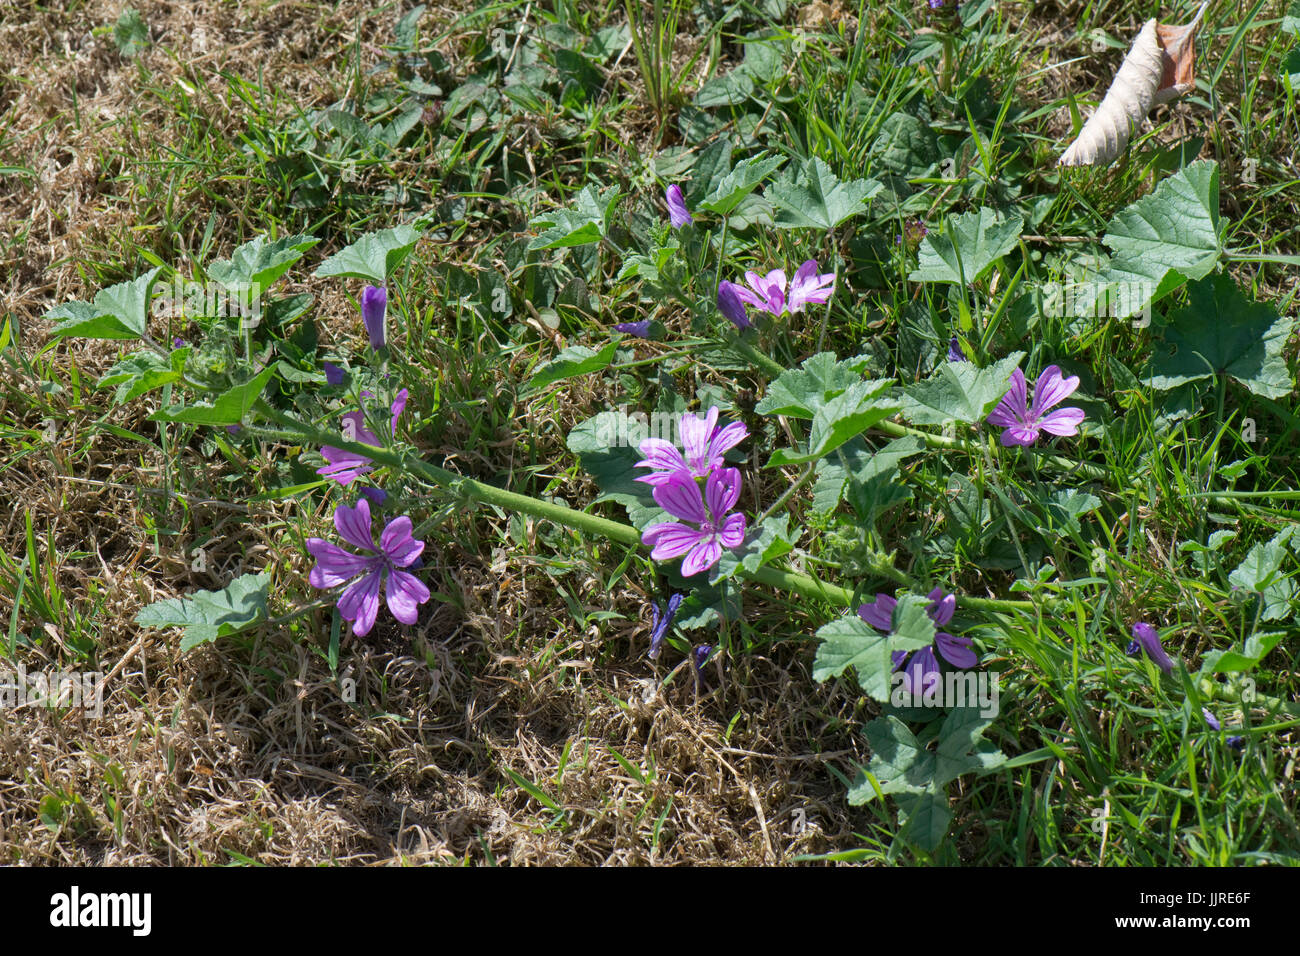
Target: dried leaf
column 1159, row 67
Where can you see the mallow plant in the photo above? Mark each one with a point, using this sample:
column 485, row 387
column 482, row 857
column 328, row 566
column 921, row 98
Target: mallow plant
column 733, row 499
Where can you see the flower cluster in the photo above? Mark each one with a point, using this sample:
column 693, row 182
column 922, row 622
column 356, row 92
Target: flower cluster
column 706, row 524
column 922, row 667
column 770, row 293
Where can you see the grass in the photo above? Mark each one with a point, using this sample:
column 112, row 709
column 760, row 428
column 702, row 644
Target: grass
column 519, row 721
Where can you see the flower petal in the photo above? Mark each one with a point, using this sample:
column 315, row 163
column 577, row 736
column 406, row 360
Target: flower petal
column 1052, row 389
column 360, row 603
column 398, row 543
column 956, row 650
column 405, row 593
column 722, row 491
column 1063, row 421
column 671, row 540
column 879, row 613
column 733, row 531
column 679, row 495
column 703, row 556
column 334, row 566
column 353, row 525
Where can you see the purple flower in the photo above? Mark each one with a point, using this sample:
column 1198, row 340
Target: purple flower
column 374, row 303
column 1023, row 422
column 640, row 329
column 234, row 429
column 923, row 668
column 178, row 342
column 1236, row 742
column 1146, row 639
column 700, row 655
column 346, row 467
column 659, row 629
column 955, row 353
column 1210, row 719
column 702, row 441
column 769, row 292
column 375, row 495
column 678, row 214
column 377, row 565
column 333, row 374
column 680, row 497
column 732, row 305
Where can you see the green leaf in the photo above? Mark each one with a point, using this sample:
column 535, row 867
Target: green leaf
column 762, row 544
column 1159, row 243
column 959, row 391
column 1260, row 573
column 848, row 414
column 739, row 183
column 1256, row 648
column 229, row 408
column 899, row 762
column 1067, row 505
column 855, row 465
column 1291, row 21
column 257, row 264
column 905, row 146
column 208, row 615
column 960, row 748
column 799, row 393
column 130, row 33
column 924, row 817
column 119, row 312
column 730, row 89
column 911, row 627
column 606, row 445
column 586, row 222
column 1221, row 332
column 815, row 198
column 142, row 372
column 969, row 246
column 850, row 641
column 374, row 256
column 573, row 361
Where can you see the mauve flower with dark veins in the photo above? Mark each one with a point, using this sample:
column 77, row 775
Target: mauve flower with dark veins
column 1022, row 422
column 377, row 565
column 955, row 353
column 333, row 374
column 678, row 214
column 1146, row 639
column 703, row 445
column 769, row 293
column 702, row 545
column 923, row 666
